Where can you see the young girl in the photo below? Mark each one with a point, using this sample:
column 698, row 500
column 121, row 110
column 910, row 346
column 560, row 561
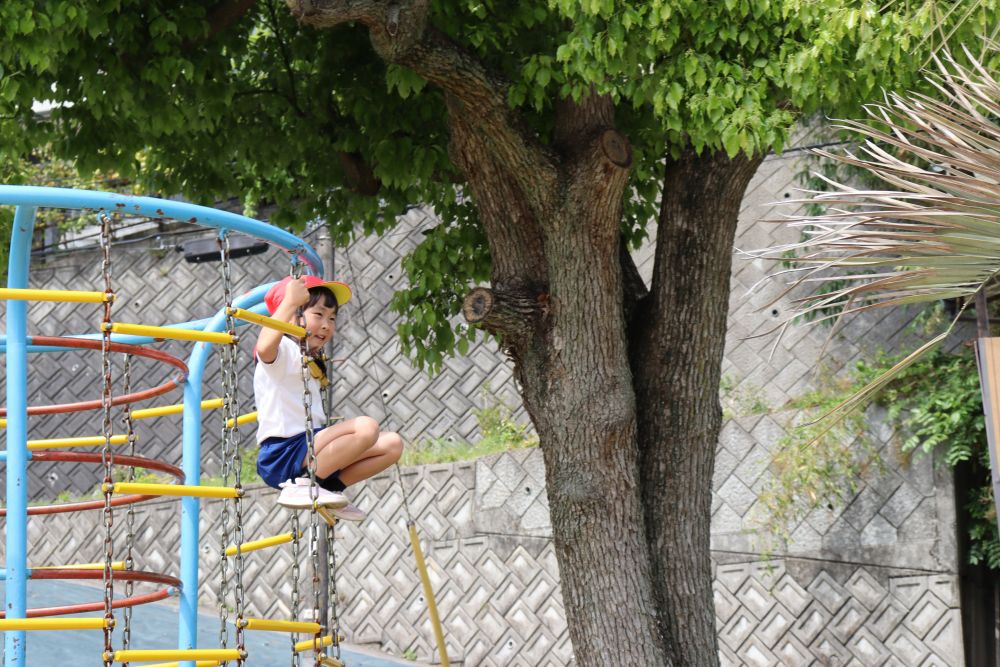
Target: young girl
column 347, row 452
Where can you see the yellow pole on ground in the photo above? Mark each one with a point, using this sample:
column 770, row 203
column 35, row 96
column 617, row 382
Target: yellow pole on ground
column 83, row 441
column 280, row 626
column 263, row 543
column 269, row 322
column 188, row 490
column 171, row 333
column 145, row 655
column 66, row 296
column 429, row 594
column 242, row 419
column 148, row 413
column 115, row 565
column 55, row 623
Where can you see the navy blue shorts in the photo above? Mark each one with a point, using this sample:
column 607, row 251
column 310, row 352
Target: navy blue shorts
column 280, row 459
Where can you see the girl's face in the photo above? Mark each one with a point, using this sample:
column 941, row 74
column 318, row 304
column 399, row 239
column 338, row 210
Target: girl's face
column 321, row 323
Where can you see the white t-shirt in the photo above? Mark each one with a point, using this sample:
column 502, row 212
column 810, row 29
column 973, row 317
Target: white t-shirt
column 277, row 391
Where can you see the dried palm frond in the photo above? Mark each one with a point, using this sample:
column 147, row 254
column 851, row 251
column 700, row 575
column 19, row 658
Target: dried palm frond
column 935, row 236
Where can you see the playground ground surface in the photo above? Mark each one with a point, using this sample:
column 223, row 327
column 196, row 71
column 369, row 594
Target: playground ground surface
column 155, row 626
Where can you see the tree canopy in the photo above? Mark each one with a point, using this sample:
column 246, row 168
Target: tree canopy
column 187, row 98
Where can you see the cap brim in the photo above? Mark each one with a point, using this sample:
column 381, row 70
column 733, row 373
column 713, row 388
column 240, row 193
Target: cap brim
column 340, row 291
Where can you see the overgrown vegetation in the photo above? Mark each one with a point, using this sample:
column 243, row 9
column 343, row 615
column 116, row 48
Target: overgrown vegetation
column 936, row 407
column 498, row 429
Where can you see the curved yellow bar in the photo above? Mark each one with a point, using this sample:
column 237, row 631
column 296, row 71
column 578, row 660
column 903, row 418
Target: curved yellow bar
column 173, row 490
column 115, row 565
column 67, row 296
column 173, row 334
column 327, row 515
column 314, row 644
column 148, row 413
column 269, row 322
column 87, row 441
column 280, row 626
column 263, row 543
column 329, row 661
column 145, row 655
column 55, row 623
column 242, row 419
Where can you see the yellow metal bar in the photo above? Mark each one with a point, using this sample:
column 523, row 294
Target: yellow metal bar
column 242, row 419
column 197, row 663
column 148, row 413
column 268, row 322
column 67, row 296
column 425, row 579
column 84, row 441
column 115, row 565
column 313, row 644
column 280, row 626
column 145, row 655
column 262, row 543
column 55, row 623
column 3, row 423
column 173, row 490
column 327, row 515
column 174, row 334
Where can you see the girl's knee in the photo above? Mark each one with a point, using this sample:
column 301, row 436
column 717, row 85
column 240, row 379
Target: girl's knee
column 367, row 430
column 393, row 444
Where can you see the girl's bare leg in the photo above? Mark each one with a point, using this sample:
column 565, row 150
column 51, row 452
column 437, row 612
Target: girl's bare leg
column 342, row 444
column 386, row 451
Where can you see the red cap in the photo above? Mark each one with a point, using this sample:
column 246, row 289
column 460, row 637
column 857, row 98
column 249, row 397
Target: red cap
column 276, row 294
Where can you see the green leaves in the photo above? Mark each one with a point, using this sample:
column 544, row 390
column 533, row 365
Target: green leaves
column 290, row 118
column 439, row 272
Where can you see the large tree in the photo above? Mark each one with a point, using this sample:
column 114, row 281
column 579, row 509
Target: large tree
column 546, row 134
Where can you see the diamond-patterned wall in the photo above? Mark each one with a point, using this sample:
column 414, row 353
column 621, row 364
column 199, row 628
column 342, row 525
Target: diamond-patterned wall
column 872, row 582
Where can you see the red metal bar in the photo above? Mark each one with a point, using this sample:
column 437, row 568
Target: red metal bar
column 95, row 457
column 133, row 601
column 83, row 343
column 119, row 459
column 120, row 575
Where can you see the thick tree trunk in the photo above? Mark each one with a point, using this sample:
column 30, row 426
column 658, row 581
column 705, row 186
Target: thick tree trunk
column 577, row 386
column 629, row 480
column 678, row 337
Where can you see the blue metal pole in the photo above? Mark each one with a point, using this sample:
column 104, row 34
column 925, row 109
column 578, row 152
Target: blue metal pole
column 17, row 434
column 187, row 635
column 21, row 195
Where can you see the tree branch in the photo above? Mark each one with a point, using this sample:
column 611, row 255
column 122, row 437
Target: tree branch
column 399, row 34
column 225, row 14
column 509, row 313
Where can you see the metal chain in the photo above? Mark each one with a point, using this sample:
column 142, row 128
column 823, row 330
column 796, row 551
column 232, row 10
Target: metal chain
column 313, row 485
column 295, row 583
column 225, row 533
column 311, row 464
column 332, row 620
column 331, row 564
column 106, row 455
column 130, row 512
column 231, row 432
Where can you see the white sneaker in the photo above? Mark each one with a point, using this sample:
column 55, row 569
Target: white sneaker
column 297, row 495
column 349, row 512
